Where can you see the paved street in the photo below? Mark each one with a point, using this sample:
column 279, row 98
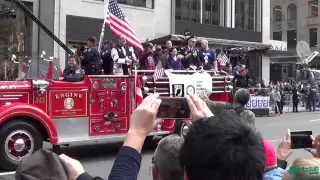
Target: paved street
column 98, row 158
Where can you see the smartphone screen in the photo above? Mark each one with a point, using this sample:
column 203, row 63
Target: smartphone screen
column 173, row 108
column 301, row 139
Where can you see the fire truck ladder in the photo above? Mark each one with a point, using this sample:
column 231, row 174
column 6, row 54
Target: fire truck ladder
column 42, row 26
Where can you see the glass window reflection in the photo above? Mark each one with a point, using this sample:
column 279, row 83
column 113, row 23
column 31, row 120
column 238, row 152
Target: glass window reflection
column 15, row 39
column 245, row 14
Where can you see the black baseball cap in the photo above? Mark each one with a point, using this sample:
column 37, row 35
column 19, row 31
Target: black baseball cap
column 92, row 39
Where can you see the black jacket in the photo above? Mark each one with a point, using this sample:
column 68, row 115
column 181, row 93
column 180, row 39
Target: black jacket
column 164, row 61
column 91, row 61
column 73, row 74
column 191, row 57
column 107, row 62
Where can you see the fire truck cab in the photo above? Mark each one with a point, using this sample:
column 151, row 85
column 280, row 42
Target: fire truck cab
column 97, row 108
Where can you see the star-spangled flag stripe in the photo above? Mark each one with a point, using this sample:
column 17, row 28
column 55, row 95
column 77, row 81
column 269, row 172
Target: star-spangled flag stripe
column 158, row 72
column 222, row 59
column 119, row 25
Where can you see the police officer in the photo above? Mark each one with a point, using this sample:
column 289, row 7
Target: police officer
column 191, row 58
column 72, row 73
column 91, row 61
column 123, row 56
column 242, row 97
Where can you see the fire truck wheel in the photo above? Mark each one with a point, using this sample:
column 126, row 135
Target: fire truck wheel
column 18, row 138
column 181, row 128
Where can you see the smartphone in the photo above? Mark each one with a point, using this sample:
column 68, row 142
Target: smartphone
column 173, row 108
column 301, row 139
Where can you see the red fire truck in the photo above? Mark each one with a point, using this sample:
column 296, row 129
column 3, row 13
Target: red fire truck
column 43, row 108
column 61, row 113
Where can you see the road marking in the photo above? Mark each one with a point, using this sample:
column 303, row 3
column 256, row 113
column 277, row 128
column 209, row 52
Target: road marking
column 7, row 173
column 314, row 120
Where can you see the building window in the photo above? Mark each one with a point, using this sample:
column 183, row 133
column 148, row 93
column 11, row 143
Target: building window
column 277, row 36
column 313, row 8
column 313, row 37
column 211, row 12
column 138, row 3
column 277, row 13
column 246, row 14
column 188, row 10
column 291, row 39
column 292, row 12
column 194, row 10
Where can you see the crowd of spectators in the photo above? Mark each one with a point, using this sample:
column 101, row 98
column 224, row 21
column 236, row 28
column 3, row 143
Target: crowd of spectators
column 292, row 95
column 220, row 146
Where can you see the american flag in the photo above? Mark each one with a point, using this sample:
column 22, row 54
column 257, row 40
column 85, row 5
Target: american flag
column 222, row 59
column 138, row 91
column 120, row 25
column 158, row 72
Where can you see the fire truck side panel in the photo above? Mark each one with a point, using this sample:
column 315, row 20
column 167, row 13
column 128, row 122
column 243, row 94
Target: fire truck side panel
column 26, row 110
column 111, row 100
column 68, row 105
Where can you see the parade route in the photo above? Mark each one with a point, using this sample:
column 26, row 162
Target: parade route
column 98, row 158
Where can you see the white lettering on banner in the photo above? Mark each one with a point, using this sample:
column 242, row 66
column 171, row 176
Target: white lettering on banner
column 191, row 84
column 258, row 102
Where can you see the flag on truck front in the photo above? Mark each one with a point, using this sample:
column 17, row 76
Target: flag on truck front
column 120, row 25
column 158, row 72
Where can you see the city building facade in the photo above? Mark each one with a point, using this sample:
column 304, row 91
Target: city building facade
column 292, row 21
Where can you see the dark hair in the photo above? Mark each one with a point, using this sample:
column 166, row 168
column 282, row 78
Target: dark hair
column 74, row 57
column 223, row 147
column 171, row 49
column 242, row 96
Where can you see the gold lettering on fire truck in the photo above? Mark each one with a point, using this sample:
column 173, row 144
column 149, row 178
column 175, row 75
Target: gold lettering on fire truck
column 68, row 103
column 68, row 95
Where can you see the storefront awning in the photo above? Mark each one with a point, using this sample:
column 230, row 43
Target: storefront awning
column 215, row 43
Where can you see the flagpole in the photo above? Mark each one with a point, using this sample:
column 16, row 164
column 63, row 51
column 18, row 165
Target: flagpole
column 106, row 7
column 135, row 85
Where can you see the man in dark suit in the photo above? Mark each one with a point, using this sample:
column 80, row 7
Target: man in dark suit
column 159, row 56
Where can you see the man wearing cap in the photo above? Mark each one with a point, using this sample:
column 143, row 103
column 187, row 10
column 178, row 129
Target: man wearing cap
column 123, row 56
column 91, row 61
column 191, row 58
column 107, row 62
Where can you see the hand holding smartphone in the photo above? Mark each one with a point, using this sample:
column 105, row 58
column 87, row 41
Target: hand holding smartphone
column 174, row 108
column 301, row 139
